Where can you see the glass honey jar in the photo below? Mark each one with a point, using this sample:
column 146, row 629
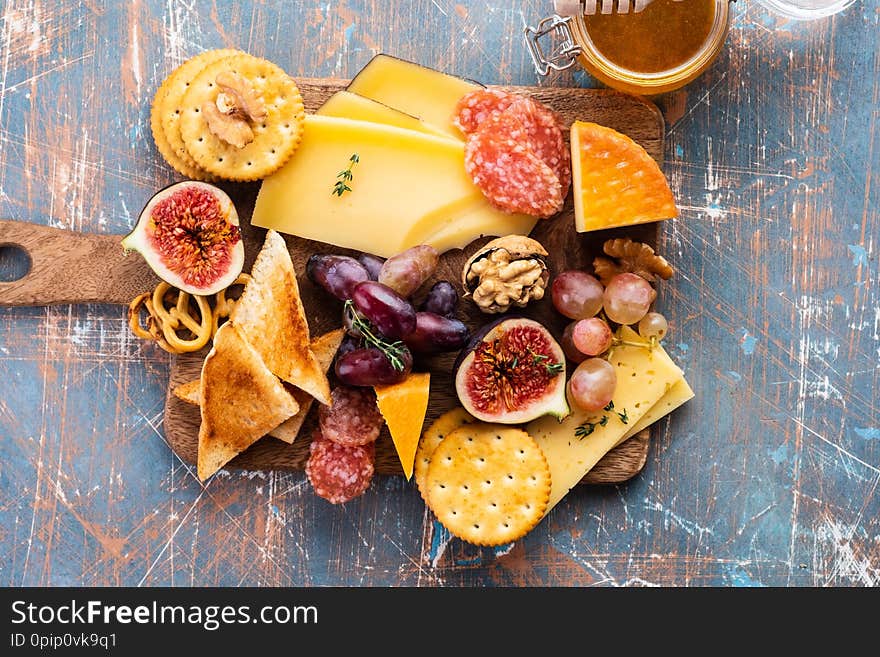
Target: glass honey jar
column 659, row 48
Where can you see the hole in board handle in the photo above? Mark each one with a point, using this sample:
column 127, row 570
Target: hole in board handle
column 15, row 263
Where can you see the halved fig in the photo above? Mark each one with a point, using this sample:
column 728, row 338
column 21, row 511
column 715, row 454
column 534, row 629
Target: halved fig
column 513, row 371
column 189, row 235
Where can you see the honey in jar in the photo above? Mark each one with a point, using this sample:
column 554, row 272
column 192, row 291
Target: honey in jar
column 660, row 48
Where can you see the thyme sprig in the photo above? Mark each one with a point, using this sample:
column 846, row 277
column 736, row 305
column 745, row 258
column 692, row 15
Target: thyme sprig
column 587, row 428
column 345, row 177
column 393, row 351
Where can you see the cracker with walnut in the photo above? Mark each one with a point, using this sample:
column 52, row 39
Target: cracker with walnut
column 242, row 118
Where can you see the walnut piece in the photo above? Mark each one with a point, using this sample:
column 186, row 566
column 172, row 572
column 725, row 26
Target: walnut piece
column 233, row 130
column 506, row 272
column 240, row 97
column 629, row 256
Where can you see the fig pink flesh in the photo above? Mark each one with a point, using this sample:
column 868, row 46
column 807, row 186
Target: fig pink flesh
column 193, row 236
column 511, row 371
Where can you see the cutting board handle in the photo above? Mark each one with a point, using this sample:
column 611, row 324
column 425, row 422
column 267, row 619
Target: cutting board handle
column 71, row 267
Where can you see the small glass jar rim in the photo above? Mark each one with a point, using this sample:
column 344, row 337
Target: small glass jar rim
column 712, row 44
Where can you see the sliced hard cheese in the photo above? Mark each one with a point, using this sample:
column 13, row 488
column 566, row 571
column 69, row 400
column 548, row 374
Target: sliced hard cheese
column 643, row 377
column 678, row 394
column 347, row 105
column 407, row 187
column 457, row 224
column 415, row 90
column 403, row 405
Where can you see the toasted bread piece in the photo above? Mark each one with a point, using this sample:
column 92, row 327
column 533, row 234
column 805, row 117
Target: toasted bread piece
column 324, row 348
column 189, row 392
column 271, row 314
column 241, row 400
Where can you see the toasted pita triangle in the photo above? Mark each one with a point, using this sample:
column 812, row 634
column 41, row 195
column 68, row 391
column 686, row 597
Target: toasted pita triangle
column 241, row 400
column 271, row 315
column 188, row 392
column 324, row 348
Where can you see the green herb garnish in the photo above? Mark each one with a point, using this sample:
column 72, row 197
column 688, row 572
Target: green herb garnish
column 610, row 406
column 393, row 351
column 345, row 177
column 584, row 430
column 623, row 417
column 552, row 368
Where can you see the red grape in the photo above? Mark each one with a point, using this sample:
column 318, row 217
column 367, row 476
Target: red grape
column 442, row 299
column 336, row 273
column 373, row 264
column 435, row 333
column 628, row 298
column 653, row 325
column 592, row 384
column 391, row 314
column 567, row 344
column 370, row 367
column 591, row 336
column 576, row 294
column 407, row 271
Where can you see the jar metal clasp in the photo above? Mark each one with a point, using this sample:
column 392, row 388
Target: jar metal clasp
column 563, row 51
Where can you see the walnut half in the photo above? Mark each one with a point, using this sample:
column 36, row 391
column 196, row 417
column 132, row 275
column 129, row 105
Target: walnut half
column 629, row 256
column 237, row 105
column 508, row 271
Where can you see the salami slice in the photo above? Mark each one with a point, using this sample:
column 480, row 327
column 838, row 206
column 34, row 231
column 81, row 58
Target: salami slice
column 501, row 161
column 339, row 473
column 474, row 108
column 353, row 418
column 544, row 132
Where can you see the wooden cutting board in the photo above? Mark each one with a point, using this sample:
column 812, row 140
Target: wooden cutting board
column 68, row 267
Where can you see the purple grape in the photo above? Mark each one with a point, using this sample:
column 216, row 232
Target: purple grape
column 391, row 314
column 336, row 273
column 370, row 367
column 349, row 343
column 435, row 333
column 442, row 299
column 373, row 264
column 407, row 271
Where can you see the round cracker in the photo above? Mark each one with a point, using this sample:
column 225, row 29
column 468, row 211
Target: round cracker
column 166, row 150
column 167, row 110
column 433, row 436
column 488, row 485
column 275, row 138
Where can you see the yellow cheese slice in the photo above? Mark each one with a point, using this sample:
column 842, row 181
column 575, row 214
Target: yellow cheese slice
column 403, row 405
column 457, row 224
column 678, row 394
column 390, row 207
column 389, row 194
column 412, row 89
column 346, row 105
column 644, row 376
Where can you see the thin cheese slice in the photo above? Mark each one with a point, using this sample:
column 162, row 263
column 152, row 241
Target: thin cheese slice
column 403, row 405
column 644, row 376
column 346, row 105
column 412, row 89
column 678, row 394
column 457, row 224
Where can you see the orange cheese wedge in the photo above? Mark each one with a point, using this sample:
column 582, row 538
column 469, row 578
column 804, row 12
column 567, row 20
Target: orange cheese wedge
column 615, row 182
column 403, row 405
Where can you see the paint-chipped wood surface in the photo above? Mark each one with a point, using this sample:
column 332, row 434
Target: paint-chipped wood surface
column 769, row 476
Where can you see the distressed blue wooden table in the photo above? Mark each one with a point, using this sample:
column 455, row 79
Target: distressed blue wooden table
column 768, row 477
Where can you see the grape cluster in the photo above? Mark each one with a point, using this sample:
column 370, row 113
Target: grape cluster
column 626, row 300
column 384, row 328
